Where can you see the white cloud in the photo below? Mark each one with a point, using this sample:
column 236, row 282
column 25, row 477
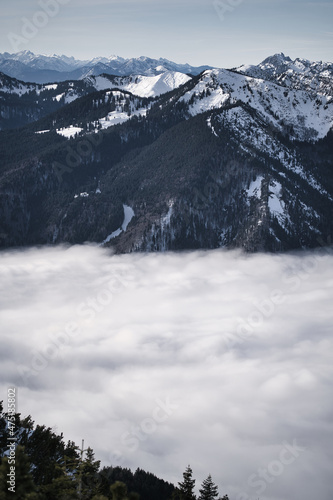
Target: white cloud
column 216, row 359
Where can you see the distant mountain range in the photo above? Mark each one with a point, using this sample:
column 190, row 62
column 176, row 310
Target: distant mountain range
column 29, row 67
column 225, row 158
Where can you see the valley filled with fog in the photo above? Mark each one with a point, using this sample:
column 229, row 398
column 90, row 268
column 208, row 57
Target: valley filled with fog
column 217, row 359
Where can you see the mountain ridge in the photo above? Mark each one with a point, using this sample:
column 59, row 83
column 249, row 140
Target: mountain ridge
column 225, row 159
column 22, row 102
column 301, row 74
column 25, row 65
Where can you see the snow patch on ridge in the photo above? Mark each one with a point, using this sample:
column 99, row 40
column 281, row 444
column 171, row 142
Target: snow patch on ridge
column 128, row 216
column 144, row 86
column 69, row 132
column 275, row 202
column 116, row 117
column 255, row 188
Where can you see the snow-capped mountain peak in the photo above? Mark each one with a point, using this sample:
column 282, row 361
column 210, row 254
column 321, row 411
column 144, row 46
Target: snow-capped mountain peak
column 277, row 60
column 306, row 118
column 106, row 60
column 302, row 74
column 226, row 158
column 27, row 66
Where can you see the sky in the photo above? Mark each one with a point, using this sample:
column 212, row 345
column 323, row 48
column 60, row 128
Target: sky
column 215, row 359
column 220, row 33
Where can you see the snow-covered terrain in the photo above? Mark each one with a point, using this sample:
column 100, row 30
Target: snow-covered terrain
column 43, row 61
column 116, row 117
column 255, row 187
column 28, row 66
column 314, row 76
column 128, row 216
column 262, row 140
column 123, row 105
column 307, row 118
column 69, row 92
column 143, row 86
column 275, row 203
column 69, row 132
column 296, row 94
column 253, row 136
column 10, row 86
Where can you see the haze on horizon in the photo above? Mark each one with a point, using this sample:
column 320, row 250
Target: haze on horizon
column 220, row 33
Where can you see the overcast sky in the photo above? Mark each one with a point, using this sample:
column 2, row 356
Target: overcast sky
column 222, row 33
column 214, row 359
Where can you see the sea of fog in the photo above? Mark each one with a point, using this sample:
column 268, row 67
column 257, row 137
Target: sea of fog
column 216, row 359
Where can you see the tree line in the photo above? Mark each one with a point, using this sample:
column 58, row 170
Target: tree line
column 40, row 465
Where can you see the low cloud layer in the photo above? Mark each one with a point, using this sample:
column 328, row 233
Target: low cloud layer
column 214, row 359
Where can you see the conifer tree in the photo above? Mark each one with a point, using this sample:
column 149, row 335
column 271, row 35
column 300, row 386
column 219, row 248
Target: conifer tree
column 88, row 471
column 186, row 487
column 208, row 490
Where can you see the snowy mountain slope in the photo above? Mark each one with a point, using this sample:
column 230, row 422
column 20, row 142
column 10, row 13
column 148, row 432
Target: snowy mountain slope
column 22, row 103
column 225, row 159
column 115, row 107
column 94, row 112
column 69, row 91
column 12, row 85
column 273, row 188
column 295, row 110
column 254, row 137
column 143, row 86
column 255, row 189
column 301, row 74
column 40, row 99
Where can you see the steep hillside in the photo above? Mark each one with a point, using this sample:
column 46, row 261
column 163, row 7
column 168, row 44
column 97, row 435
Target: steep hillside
column 225, row 159
column 22, row 103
